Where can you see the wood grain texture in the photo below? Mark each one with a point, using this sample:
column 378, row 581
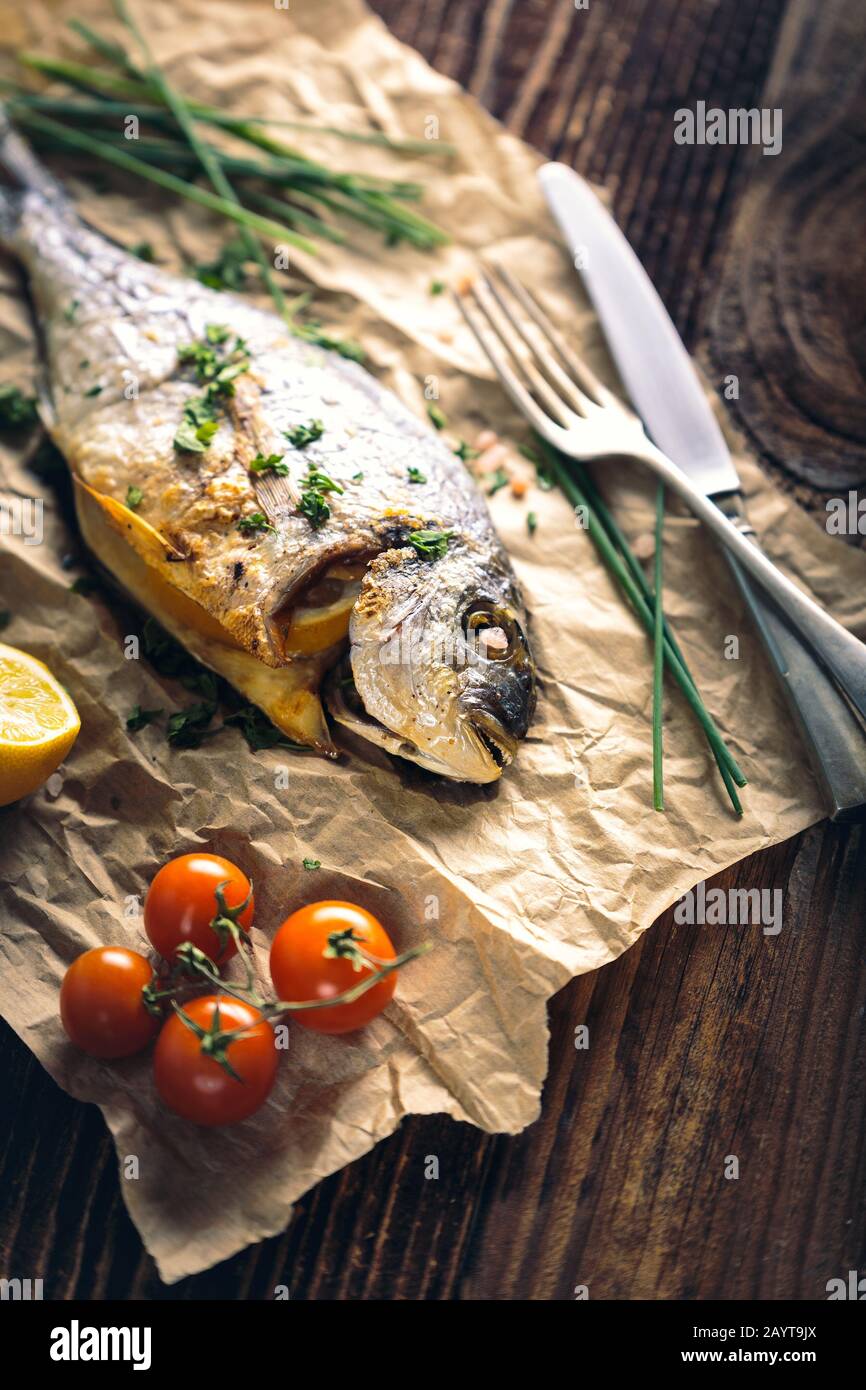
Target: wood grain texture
column 790, row 318
column 704, row 1042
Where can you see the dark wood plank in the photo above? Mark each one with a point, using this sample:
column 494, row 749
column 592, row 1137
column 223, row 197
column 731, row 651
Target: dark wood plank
column 790, row 319
column 704, row 1042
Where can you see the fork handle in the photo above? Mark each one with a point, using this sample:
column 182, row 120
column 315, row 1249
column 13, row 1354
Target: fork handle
column 834, row 738
column 843, row 654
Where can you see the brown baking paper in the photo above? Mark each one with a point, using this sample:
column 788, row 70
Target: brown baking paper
column 553, row 871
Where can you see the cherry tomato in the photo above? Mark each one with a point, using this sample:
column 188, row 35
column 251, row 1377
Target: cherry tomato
column 181, row 904
column 100, row 1002
column 195, row 1085
column 300, row 970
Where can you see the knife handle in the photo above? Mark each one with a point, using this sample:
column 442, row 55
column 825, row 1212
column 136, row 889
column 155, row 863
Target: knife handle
column 834, row 736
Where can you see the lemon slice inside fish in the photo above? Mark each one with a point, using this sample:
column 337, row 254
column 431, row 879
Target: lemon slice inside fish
column 38, row 724
column 322, row 619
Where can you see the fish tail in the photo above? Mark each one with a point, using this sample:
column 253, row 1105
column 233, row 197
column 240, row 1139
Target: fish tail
column 18, row 162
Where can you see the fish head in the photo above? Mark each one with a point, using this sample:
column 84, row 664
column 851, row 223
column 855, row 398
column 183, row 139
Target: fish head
column 441, row 666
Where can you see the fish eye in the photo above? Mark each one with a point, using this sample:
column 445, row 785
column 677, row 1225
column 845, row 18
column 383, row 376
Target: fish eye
column 491, row 632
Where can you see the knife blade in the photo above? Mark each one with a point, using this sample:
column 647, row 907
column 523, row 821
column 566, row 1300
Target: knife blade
column 666, row 392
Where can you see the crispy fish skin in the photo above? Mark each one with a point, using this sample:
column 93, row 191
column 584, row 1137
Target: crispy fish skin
column 114, row 330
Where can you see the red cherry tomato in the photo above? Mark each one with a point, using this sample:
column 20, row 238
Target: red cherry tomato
column 101, row 1006
column 181, row 904
column 300, row 970
column 195, row 1085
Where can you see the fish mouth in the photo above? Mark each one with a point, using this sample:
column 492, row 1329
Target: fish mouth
column 493, row 737
column 494, row 746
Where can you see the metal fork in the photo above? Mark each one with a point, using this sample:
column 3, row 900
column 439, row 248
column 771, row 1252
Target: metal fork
column 572, row 410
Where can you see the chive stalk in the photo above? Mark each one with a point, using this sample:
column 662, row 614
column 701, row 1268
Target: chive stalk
column 658, row 658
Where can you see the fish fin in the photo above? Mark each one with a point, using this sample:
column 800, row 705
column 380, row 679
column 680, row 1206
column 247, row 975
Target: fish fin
column 139, row 533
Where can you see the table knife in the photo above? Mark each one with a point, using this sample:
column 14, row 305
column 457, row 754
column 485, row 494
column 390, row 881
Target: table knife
column 667, row 394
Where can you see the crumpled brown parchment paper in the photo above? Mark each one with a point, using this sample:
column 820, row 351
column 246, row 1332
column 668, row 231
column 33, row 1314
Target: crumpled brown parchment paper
column 552, row 872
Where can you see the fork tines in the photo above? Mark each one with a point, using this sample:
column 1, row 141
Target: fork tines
column 543, row 376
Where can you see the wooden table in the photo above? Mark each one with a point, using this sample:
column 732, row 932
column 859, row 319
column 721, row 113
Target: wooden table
column 705, row 1043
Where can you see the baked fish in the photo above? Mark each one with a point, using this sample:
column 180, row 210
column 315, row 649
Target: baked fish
column 278, row 511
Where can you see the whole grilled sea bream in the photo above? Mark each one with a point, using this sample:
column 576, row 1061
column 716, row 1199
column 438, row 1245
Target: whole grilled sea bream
column 253, row 492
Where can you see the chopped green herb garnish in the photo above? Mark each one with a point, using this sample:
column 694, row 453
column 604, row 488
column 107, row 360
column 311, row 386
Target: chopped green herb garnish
column 500, row 480
column 542, row 472
column 217, row 333
column 187, row 728
column 357, row 477
column 465, row 452
column 195, row 439
column 16, row 409
column 312, row 503
column 416, row 476
column 139, row 718
column 134, row 497
column 270, row 463
column 314, row 507
column 302, row 435
column 256, row 521
column 437, row 287
column 312, row 863
column 199, row 410
column 320, row 481
column 94, row 391
column 85, row 362
column 228, row 271
column 437, row 416
column 258, row 730
column 531, row 523
column 206, row 431
column 143, row 250
column 430, row 544
column 71, row 310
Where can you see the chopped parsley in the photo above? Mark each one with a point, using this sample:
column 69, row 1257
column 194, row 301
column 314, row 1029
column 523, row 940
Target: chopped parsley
column 357, row 477
column 143, row 250
column 16, row 409
column 416, row 476
column 188, row 728
column 134, row 497
column 542, row 474
column 139, row 718
column 94, row 391
column 313, row 504
column 431, row 545
column 228, row 271
column 71, row 310
column 500, row 480
column 437, row 287
column 531, row 523
column 270, row 463
column 465, row 452
column 256, row 521
column 312, row 863
column 437, row 416
column 302, row 435
column 216, row 366
column 216, row 369
column 258, row 730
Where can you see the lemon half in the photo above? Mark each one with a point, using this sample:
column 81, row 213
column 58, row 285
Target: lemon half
column 38, row 724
